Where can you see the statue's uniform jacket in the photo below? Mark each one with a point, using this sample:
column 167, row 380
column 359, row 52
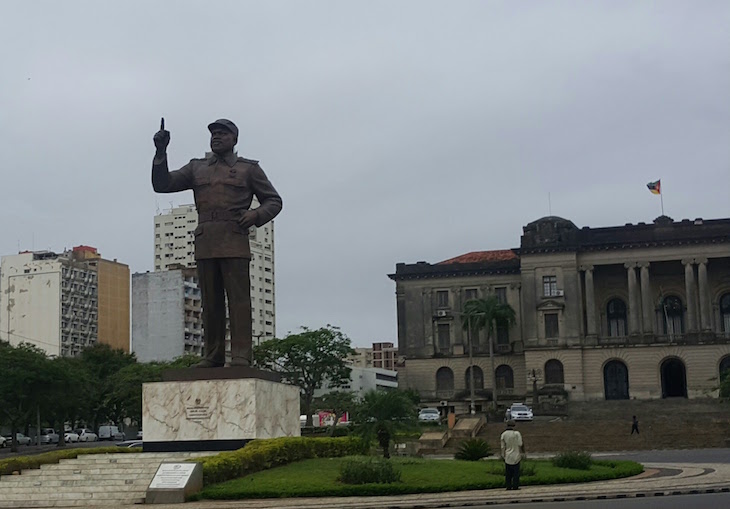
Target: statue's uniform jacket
column 223, row 188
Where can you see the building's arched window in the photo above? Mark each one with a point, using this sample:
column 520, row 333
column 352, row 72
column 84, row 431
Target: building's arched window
column 505, row 377
column 725, row 313
column 616, row 315
column 554, row 372
column 725, row 367
column 478, row 377
column 444, row 382
column 673, row 314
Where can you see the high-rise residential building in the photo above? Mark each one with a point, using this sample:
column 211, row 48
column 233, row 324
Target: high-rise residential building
column 166, row 314
column 385, row 355
column 64, row 302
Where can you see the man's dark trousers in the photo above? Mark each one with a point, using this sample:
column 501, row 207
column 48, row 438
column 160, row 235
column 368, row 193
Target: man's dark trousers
column 512, row 476
column 221, row 277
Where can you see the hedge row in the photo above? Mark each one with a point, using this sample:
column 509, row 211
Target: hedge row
column 19, row 463
column 264, row 454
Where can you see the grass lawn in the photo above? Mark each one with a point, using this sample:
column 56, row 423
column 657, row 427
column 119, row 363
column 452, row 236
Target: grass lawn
column 318, row 477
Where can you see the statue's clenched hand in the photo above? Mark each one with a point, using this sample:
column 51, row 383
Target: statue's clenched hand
column 248, row 219
column 161, row 138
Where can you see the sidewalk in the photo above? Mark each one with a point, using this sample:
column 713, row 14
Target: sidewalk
column 659, row 479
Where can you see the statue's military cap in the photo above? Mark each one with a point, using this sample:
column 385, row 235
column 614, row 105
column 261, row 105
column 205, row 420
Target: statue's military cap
column 224, row 123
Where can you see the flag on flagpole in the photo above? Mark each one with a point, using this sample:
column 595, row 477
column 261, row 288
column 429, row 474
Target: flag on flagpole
column 655, row 187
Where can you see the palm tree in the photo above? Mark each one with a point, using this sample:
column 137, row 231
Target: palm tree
column 486, row 314
column 380, row 413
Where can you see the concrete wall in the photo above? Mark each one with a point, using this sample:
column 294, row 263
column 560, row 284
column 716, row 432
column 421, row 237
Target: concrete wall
column 30, row 302
column 158, row 316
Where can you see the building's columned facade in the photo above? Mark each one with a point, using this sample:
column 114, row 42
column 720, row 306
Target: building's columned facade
column 638, row 311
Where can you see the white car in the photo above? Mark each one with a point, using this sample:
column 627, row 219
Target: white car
column 49, row 436
column 3, row 441
column 71, row 436
column 429, row 415
column 520, row 412
column 20, row 439
column 86, row 435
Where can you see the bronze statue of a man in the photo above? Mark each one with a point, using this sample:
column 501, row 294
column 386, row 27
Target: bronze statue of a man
column 224, row 185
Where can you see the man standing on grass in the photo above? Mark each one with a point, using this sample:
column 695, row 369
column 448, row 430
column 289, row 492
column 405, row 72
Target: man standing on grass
column 513, row 450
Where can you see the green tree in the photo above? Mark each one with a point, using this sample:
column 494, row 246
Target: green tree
column 485, row 314
column 381, row 413
column 67, row 393
column 308, row 360
column 339, row 403
column 24, row 382
column 125, row 388
column 101, row 362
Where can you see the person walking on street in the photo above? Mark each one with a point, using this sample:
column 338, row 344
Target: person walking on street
column 513, row 451
column 634, row 425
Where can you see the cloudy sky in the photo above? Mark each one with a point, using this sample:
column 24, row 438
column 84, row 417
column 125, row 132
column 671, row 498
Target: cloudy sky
column 395, row 131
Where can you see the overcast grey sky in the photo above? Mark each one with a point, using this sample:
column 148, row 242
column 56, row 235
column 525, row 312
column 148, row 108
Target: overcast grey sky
column 395, row 131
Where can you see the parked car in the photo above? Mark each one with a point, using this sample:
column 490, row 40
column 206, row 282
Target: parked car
column 520, row 412
column 20, row 439
column 110, row 433
column 3, row 441
column 130, row 443
column 49, row 436
column 86, row 435
column 71, row 436
column 429, row 415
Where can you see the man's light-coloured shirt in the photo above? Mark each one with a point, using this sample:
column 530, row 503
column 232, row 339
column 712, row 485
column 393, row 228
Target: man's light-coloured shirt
column 511, row 442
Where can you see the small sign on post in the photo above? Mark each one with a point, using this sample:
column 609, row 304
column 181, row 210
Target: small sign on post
column 173, row 482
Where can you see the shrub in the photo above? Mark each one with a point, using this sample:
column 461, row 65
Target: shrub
column 19, row 463
column 368, row 470
column 497, row 468
column 263, row 454
column 473, row 450
column 573, row 459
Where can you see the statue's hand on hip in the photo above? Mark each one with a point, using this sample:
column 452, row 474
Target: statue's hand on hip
column 248, row 219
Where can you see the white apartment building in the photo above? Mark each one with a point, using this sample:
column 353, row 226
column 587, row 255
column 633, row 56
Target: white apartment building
column 363, row 380
column 64, row 302
column 166, row 315
column 174, row 247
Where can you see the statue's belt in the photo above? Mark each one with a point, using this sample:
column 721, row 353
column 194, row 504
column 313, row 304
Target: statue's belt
column 219, row 215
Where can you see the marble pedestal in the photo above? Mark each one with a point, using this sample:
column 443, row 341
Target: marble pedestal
column 216, row 409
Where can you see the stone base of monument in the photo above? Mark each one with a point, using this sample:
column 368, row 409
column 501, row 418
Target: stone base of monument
column 217, row 409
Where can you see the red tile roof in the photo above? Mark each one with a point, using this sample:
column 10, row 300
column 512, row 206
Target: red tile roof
column 482, row 256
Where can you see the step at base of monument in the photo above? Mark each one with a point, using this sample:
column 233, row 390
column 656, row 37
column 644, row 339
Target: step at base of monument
column 89, row 480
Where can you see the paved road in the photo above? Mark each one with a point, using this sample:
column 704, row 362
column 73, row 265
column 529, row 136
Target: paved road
column 677, row 456
column 30, row 450
column 711, row 501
